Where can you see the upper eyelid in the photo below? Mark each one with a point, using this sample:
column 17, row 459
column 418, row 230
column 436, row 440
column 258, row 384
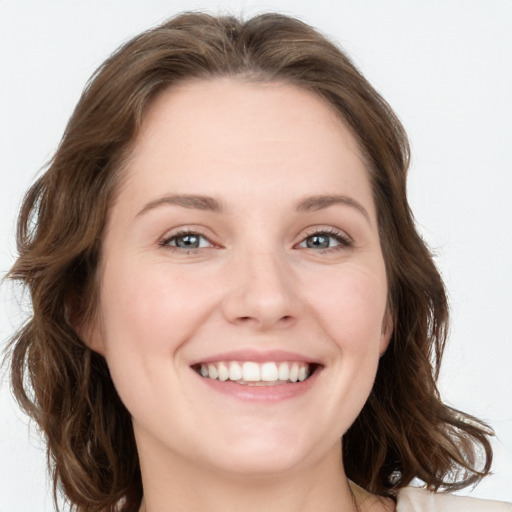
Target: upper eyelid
column 188, row 230
column 328, row 230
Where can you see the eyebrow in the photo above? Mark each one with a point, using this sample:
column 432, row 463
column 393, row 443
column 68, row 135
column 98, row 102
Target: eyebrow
column 193, row 202
column 207, row 203
column 319, row 202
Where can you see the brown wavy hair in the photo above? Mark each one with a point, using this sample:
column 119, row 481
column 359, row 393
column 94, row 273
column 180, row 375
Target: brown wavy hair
column 404, row 430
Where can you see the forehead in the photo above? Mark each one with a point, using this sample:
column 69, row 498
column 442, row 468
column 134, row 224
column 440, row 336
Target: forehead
column 192, row 106
column 226, row 131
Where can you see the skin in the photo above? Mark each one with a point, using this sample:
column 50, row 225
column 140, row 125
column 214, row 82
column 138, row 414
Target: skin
column 253, row 284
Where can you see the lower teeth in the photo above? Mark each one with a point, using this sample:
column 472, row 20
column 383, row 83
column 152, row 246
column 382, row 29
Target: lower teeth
column 260, row 383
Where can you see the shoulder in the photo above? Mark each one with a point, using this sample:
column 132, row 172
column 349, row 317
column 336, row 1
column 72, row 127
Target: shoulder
column 411, row 499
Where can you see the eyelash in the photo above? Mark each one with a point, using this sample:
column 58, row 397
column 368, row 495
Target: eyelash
column 343, row 240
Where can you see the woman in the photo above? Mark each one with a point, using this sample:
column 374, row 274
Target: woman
column 232, row 307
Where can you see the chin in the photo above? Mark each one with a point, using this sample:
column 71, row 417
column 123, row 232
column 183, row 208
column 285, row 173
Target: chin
column 259, row 464
column 264, row 453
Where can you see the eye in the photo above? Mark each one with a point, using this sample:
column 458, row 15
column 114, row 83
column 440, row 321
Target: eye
column 326, row 239
column 186, row 240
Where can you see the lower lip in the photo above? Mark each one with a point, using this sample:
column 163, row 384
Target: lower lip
column 275, row 393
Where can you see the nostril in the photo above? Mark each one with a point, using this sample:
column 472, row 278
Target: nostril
column 246, row 319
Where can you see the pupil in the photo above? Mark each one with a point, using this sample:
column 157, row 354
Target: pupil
column 318, row 242
column 188, row 241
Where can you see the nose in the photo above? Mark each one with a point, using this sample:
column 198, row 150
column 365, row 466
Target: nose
column 261, row 292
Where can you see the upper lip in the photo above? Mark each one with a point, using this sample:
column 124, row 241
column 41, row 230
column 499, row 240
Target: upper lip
column 257, row 356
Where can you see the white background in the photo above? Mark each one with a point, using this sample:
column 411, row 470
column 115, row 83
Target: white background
column 444, row 66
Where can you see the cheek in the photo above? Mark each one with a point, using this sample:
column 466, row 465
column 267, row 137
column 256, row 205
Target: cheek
column 147, row 315
column 153, row 308
column 351, row 307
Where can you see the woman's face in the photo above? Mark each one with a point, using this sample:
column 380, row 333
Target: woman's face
column 243, row 245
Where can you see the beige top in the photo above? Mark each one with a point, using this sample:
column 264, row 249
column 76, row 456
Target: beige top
column 411, row 499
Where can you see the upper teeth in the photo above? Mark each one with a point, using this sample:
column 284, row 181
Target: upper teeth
column 255, row 372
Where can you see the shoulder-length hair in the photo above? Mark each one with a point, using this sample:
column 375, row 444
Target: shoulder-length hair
column 404, row 430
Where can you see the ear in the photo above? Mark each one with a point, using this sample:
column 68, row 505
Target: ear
column 91, row 333
column 386, row 331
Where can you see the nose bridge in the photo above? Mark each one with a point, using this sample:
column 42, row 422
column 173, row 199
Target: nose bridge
column 262, row 288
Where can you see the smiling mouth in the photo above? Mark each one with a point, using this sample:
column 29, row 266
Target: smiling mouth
column 250, row 373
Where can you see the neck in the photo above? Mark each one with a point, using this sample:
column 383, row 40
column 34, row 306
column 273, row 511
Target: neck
column 178, row 485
